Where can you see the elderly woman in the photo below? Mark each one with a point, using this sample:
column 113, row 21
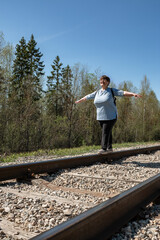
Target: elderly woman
column 106, row 110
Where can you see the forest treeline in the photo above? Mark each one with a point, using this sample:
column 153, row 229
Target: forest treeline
column 38, row 113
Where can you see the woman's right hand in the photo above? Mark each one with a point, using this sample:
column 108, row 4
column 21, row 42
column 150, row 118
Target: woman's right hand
column 81, row 100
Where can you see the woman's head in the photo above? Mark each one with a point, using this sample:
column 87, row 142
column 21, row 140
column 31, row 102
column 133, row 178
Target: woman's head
column 104, row 81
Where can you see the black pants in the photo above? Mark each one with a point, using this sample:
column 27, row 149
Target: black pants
column 107, row 126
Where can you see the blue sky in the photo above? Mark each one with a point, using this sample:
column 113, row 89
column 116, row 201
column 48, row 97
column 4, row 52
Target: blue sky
column 120, row 37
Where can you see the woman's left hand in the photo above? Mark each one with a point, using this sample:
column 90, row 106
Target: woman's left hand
column 137, row 95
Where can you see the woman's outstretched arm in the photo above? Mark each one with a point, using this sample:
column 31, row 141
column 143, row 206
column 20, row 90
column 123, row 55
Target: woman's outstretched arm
column 87, row 97
column 130, row 94
column 81, row 100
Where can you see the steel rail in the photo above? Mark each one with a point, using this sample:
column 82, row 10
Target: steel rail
column 27, row 169
column 103, row 220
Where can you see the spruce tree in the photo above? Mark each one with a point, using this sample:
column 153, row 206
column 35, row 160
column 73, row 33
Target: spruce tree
column 20, row 69
column 54, row 88
column 67, row 78
column 27, row 68
column 36, row 67
column 26, row 93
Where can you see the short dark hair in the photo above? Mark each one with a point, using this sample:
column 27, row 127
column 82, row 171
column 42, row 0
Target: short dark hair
column 104, row 77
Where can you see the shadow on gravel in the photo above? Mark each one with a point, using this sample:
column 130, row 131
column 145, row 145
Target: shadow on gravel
column 15, row 183
column 147, row 165
column 138, row 162
column 24, row 180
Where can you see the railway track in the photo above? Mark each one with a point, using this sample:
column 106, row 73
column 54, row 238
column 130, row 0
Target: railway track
column 92, row 198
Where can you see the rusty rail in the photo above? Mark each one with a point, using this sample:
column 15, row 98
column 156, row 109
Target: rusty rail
column 27, row 169
column 106, row 218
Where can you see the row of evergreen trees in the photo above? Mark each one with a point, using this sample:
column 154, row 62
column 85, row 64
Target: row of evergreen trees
column 38, row 113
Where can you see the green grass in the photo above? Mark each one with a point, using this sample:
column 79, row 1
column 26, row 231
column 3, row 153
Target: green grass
column 66, row 151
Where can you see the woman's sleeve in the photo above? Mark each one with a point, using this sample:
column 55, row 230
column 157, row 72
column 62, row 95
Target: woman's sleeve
column 117, row 92
column 91, row 95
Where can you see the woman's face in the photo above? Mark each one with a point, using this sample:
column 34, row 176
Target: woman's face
column 104, row 83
